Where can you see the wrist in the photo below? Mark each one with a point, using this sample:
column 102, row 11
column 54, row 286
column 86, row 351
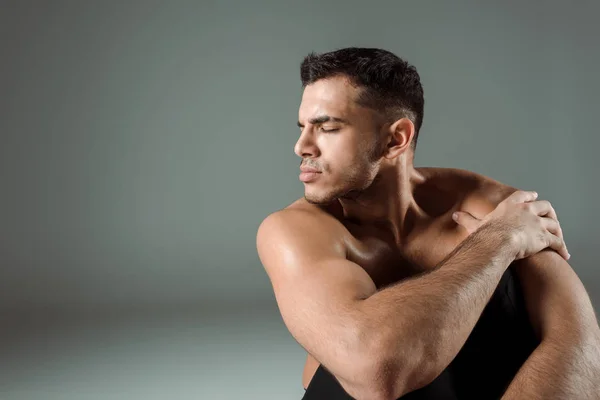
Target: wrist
column 503, row 239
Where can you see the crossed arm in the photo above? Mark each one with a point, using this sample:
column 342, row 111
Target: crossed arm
column 566, row 364
column 331, row 307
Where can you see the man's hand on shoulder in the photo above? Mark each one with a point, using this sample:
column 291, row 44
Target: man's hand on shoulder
column 531, row 224
column 567, row 362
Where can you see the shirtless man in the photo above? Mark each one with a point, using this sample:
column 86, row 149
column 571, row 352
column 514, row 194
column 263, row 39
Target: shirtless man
column 383, row 270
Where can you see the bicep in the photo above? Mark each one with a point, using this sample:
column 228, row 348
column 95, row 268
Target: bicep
column 556, row 300
column 317, row 291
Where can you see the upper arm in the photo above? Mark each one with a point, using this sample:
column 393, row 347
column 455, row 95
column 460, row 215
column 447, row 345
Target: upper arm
column 317, row 289
column 556, row 301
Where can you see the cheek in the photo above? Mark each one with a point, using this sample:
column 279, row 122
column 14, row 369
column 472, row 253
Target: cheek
column 354, row 167
column 350, row 159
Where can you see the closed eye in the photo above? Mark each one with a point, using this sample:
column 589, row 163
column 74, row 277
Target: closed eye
column 323, row 130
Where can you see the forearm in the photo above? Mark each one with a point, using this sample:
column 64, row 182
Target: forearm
column 559, row 369
column 422, row 323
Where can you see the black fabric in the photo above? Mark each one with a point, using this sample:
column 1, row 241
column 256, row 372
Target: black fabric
column 497, row 347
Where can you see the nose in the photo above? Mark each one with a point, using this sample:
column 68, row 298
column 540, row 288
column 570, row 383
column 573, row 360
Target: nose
column 306, row 146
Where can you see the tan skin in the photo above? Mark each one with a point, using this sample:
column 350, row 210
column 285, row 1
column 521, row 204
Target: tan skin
column 393, row 220
column 385, row 261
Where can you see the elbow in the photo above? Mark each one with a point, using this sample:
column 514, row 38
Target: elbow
column 387, row 367
column 393, row 385
column 375, row 376
column 388, row 381
column 392, row 376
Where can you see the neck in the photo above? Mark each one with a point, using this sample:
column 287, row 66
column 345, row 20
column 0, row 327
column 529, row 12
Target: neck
column 389, row 202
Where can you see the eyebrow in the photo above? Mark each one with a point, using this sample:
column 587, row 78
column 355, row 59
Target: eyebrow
column 324, row 118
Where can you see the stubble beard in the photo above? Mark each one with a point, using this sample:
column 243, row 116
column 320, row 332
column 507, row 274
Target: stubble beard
column 356, row 184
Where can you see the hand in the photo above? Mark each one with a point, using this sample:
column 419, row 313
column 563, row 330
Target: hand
column 532, row 224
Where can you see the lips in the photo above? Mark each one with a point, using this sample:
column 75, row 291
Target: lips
column 308, row 176
column 309, row 169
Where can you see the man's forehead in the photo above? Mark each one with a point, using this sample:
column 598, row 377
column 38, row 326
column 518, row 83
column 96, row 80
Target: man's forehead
column 330, row 97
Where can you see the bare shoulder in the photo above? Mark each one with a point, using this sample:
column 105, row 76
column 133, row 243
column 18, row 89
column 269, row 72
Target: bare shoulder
column 479, row 193
column 299, row 230
column 486, row 194
column 301, row 217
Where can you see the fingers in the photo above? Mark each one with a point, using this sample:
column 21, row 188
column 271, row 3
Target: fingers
column 521, row 196
column 558, row 245
column 466, row 220
column 551, row 221
column 544, row 208
column 552, row 226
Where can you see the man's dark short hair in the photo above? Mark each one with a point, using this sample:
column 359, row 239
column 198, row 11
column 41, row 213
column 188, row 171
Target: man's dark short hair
column 389, row 84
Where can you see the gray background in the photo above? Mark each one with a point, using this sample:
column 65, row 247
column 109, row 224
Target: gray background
column 143, row 142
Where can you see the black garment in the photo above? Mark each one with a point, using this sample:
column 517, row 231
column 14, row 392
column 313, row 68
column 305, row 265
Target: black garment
column 497, row 347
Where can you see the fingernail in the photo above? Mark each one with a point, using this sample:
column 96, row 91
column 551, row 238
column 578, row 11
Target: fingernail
column 454, row 216
column 568, row 256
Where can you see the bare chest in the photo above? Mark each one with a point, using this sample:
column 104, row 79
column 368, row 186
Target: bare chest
column 387, row 263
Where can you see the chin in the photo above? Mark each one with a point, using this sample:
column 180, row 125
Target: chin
column 319, row 198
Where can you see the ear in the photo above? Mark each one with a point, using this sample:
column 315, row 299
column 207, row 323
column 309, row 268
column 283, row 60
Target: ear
column 400, row 137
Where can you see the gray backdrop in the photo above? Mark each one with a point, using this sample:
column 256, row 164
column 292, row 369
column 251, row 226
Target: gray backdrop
column 142, row 143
